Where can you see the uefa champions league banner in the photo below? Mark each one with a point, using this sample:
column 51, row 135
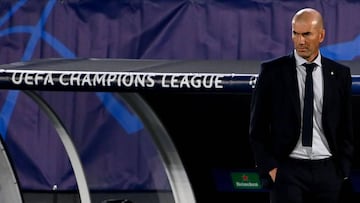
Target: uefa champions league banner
column 125, row 81
column 179, row 30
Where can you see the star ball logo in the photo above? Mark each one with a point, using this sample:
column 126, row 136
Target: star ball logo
column 249, row 180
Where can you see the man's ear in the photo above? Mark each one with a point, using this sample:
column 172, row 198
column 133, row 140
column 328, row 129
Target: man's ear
column 322, row 35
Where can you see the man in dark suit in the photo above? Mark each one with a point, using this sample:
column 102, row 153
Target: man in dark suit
column 298, row 170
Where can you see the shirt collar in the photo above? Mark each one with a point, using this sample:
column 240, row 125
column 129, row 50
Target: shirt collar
column 300, row 60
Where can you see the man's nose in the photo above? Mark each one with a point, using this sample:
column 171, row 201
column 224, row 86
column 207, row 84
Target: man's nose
column 301, row 39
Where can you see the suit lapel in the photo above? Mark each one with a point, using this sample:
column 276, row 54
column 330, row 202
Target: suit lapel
column 290, row 76
column 292, row 84
column 328, row 74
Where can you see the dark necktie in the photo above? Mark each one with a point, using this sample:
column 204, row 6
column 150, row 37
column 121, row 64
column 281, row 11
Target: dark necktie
column 307, row 131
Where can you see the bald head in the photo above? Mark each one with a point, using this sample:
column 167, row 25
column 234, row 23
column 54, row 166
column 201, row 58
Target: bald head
column 307, row 33
column 309, row 15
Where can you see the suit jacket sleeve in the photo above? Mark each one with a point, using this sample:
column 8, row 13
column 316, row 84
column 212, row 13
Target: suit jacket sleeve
column 259, row 128
column 346, row 144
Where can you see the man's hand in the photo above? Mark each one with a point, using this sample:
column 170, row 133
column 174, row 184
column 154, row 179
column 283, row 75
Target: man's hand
column 272, row 174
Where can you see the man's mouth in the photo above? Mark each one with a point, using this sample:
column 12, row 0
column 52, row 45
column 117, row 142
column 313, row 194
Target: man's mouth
column 302, row 49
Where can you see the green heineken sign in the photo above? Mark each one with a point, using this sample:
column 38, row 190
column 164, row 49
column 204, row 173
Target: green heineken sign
column 249, row 180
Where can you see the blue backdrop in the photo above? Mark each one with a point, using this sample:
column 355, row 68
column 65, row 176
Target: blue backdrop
column 116, row 150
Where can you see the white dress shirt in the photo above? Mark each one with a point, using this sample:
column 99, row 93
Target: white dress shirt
column 320, row 147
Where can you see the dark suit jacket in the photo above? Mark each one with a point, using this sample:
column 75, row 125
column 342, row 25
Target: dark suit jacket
column 275, row 119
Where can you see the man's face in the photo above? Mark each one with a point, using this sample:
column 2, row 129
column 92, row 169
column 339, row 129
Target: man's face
column 307, row 38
